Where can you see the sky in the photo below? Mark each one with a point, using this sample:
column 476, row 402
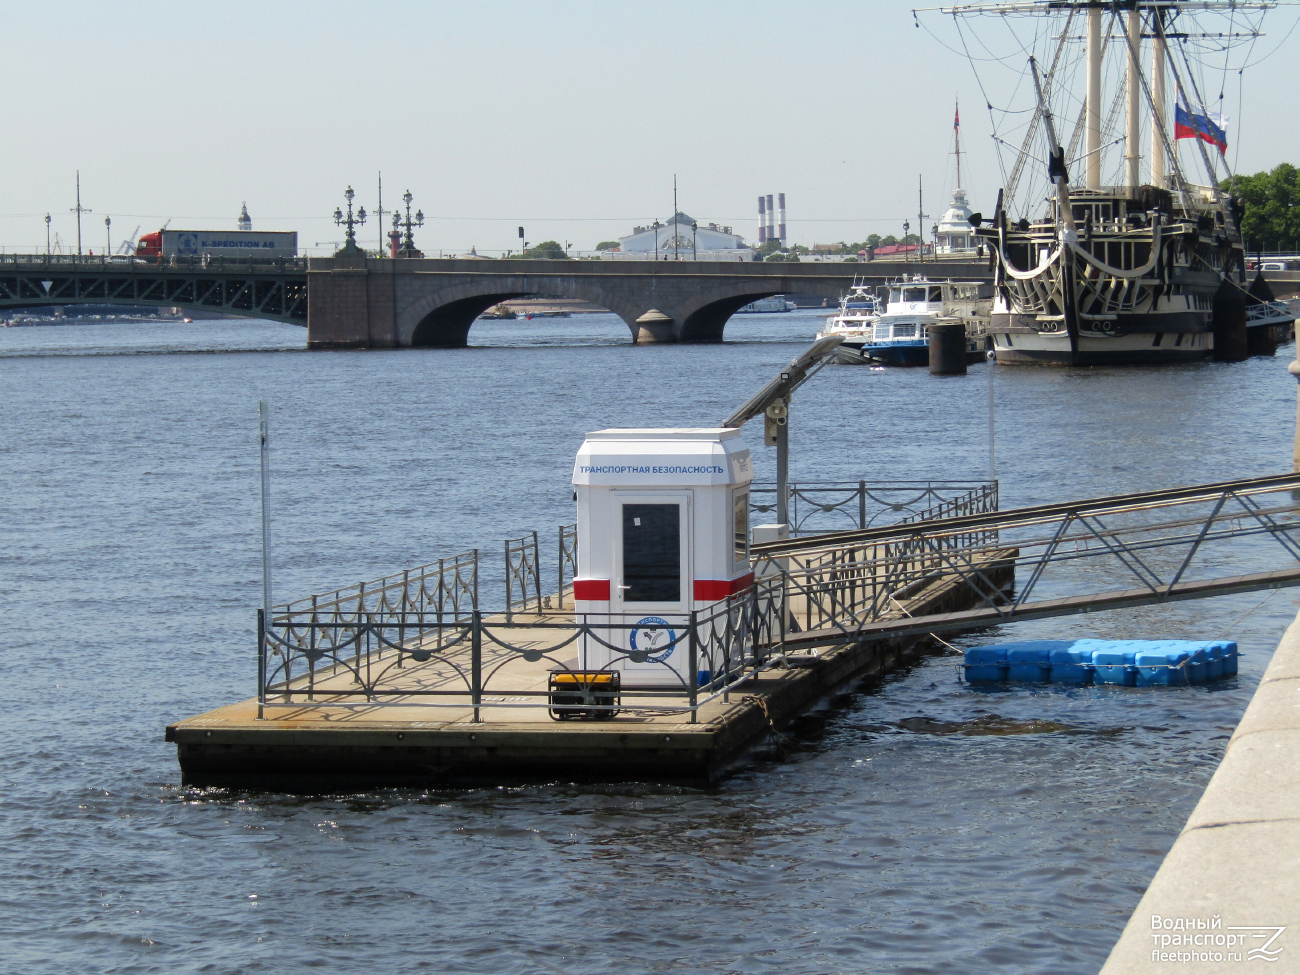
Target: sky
column 568, row 118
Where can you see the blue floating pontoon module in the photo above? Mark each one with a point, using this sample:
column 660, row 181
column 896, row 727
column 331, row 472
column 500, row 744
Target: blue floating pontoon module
column 1126, row 663
column 1162, row 664
column 1229, row 658
column 985, row 664
column 1071, row 665
column 1214, row 661
column 1030, row 661
column 1115, row 664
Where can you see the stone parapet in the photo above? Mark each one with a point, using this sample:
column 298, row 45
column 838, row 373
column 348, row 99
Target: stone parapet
column 1234, row 871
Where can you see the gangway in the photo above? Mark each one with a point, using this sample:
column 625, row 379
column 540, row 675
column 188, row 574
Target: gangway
column 1170, row 545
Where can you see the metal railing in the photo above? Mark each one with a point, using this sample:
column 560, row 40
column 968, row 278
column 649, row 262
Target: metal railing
column 466, row 665
column 423, row 603
column 566, row 563
column 523, row 576
column 831, row 505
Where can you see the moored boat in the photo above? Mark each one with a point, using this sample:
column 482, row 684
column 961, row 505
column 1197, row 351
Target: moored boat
column 898, row 335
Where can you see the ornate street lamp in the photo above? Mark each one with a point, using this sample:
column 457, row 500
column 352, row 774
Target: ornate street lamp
column 47, row 235
column 695, row 254
column 351, row 222
column 906, row 228
column 408, row 245
column 656, row 226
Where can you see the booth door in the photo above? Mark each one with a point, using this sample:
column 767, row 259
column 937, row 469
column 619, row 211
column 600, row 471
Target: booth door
column 651, row 587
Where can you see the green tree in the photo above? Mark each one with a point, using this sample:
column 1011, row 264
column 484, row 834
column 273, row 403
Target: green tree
column 608, row 245
column 1272, row 201
column 548, row 249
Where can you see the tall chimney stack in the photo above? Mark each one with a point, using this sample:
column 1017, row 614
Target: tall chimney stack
column 771, row 217
column 762, row 223
column 781, row 228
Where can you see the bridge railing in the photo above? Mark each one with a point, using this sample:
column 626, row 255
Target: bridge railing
column 223, row 264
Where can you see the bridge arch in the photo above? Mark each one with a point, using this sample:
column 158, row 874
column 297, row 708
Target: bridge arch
column 443, row 318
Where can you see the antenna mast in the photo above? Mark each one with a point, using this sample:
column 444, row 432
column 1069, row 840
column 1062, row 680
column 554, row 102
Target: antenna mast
column 79, row 210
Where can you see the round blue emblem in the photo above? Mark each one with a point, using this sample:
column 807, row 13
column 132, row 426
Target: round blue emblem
column 654, row 637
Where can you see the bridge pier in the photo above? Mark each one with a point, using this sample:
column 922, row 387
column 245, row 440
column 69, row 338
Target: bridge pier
column 350, row 306
column 653, row 327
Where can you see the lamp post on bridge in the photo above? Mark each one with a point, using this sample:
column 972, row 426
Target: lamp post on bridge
column 695, row 254
column 108, row 236
column 47, row 235
column 351, row 222
column 906, row 228
column 656, row 226
column 408, row 244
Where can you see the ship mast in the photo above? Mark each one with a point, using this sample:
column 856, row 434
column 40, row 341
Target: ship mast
column 1133, row 118
column 1159, row 100
column 1092, row 145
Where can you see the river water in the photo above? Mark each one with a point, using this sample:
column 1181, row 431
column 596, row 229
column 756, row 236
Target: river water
column 915, row 825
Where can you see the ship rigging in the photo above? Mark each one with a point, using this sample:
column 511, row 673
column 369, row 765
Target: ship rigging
column 1135, row 270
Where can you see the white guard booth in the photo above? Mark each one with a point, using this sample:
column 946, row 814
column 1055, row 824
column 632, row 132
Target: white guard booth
column 663, row 529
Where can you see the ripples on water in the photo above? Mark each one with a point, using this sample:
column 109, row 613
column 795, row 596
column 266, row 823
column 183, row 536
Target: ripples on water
column 916, row 825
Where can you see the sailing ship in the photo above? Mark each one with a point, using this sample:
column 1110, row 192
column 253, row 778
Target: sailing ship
column 1146, row 271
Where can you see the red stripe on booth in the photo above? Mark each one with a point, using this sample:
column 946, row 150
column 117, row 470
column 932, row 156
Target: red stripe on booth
column 707, row 590
column 596, row 589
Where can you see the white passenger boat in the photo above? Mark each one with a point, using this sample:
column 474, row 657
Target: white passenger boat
column 899, row 336
column 855, row 322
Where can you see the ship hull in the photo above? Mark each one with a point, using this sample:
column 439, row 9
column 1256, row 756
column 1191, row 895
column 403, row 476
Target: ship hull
column 1143, row 339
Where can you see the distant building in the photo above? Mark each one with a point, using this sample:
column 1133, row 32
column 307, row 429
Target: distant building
column 245, row 221
column 707, row 242
column 955, row 235
column 894, row 250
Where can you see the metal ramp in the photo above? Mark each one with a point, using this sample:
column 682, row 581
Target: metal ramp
column 1269, row 313
column 1075, row 557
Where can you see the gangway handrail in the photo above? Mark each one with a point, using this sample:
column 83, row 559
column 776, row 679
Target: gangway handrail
column 1021, row 517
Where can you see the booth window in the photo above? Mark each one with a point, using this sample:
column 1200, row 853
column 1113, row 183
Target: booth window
column 652, row 553
column 740, row 529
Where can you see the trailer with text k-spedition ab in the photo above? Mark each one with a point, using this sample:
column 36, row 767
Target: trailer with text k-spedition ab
column 167, row 244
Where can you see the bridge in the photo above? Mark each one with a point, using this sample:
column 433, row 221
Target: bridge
column 368, row 302
column 378, row 302
column 275, row 289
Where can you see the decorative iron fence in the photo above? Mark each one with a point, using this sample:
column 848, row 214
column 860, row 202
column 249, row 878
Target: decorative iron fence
column 838, row 505
column 504, row 661
column 421, row 602
column 477, row 663
column 566, row 563
column 358, row 644
column 523, row 576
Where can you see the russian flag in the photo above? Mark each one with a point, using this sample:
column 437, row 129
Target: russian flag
column 1190, row 125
